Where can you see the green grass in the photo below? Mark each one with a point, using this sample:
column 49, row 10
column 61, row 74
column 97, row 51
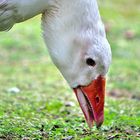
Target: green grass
column 40, row 110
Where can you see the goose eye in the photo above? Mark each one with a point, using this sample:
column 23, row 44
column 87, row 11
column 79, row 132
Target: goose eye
column 90, row 62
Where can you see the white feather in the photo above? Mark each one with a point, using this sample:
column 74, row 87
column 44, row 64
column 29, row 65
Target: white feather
column 14, row 11
column 73, row 31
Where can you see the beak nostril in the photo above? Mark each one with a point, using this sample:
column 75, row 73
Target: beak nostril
column 97, row 99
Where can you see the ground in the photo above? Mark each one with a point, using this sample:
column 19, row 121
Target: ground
column 36, row 102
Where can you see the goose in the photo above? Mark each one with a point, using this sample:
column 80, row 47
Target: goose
column 76, row 40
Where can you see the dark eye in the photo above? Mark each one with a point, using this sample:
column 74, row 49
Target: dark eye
column 90, row 62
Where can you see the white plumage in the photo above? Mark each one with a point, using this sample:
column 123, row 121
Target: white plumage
column 14, row 11
column 74, row 33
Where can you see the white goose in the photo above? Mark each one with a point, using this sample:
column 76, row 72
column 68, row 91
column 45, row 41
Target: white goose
column 76, row 41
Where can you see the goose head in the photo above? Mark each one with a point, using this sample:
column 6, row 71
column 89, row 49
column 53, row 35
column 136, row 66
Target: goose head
column 78, row 47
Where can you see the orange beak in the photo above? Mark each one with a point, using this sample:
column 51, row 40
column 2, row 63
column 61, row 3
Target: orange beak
column 91, row 100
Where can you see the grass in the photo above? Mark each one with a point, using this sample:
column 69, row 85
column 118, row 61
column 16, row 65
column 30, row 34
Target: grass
column 45, row 107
